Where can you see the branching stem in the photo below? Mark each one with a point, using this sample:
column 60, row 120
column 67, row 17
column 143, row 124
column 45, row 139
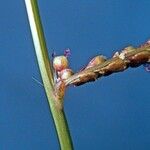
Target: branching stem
column 128, row 57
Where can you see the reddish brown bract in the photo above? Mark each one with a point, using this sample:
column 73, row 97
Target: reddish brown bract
column 96, row 61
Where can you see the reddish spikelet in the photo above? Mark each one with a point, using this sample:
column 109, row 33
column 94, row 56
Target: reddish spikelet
column 60, row 63
column 65, row 74
column 96, row 61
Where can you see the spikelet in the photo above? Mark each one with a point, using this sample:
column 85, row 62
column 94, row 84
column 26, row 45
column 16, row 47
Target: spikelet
column 65, row 74
column 60, row 63
column 96, row 61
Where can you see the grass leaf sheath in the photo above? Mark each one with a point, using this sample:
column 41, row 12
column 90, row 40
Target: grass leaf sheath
column 47, row 75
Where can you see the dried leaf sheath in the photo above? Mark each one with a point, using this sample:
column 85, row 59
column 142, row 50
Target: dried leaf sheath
column 131, row 58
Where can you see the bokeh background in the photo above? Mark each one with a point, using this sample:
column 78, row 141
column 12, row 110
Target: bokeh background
column 111, row 113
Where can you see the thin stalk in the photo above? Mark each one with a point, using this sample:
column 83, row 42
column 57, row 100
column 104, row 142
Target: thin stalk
column 46, row 74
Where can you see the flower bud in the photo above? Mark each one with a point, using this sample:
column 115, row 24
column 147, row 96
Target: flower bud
column 127, row 50
column 60, row 63
column 96, row 61
column 116, row 54
column 65, row 74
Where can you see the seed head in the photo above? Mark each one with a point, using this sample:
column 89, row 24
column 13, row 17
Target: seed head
column 65, row 74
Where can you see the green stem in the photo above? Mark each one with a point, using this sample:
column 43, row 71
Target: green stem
column 46, row 73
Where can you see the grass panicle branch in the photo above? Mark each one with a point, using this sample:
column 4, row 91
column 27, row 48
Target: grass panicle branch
column 128, row 57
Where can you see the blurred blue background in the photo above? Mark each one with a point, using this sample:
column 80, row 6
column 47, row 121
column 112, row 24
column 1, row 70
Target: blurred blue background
column 112, row 113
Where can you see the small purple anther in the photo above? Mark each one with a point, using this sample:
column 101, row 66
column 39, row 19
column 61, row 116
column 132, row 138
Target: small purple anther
column 53, row 54
column 67, row 52
column 147, row 67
